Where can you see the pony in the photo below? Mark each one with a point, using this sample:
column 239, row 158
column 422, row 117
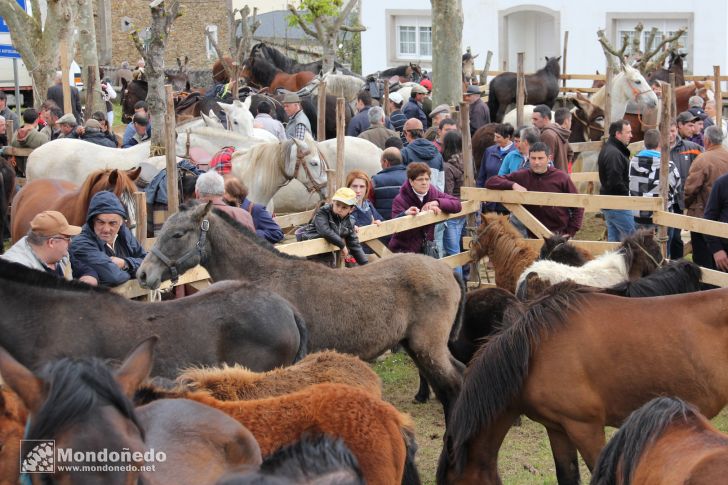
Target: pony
column 179, row 79
column 674, row 65
column 380, row 437
column 556, row 365
column 541, row 88
column 421, row 321
column 70, row 200
column 204, row 142
column 628, row 85
column 683, row 94
column 7, row 188
column 665, row 441
column 676, row 277
column 639, row 255
column 558, row 248
column 262, row 74
column 318, row 458
column 505, row 247
column 240, row 120
column 285, row 63
column 13, row 416
column 81, row 403
column 238, row 383
column 233, row 322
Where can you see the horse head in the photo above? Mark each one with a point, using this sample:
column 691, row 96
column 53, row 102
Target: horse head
column 632, row 86
column 239, row 117
column 468, row 66
column 414, row 72
column 552, row 65
column 120, row 182
column 304, row 161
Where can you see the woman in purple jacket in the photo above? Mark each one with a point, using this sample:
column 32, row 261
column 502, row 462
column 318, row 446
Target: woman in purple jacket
column 417, row 195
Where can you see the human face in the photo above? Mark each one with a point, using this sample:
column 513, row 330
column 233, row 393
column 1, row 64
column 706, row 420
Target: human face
column 523, row 147
column 341, row 209
column 445, row 130
column 472, row 98
column 438, row 118
column 625, row 135
column 500, row 140
column 58, row 246
column 291, row 108
column 66, row 128
column 3, row 103
column 141, row 130
column 710, row 109
column 421, row 184
column 698, row 126
column 359, row 186
column 107, row 226
column 686, row 129
column 657, row 89
column 538, row 120
column 539, row 162
column 673, row 134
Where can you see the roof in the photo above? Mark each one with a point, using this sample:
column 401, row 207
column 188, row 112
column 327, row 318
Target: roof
column 275, row 25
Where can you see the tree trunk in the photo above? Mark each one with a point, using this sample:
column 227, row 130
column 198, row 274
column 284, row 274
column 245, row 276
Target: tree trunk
column 89, row 55
column 329, row 53
column 447, row 31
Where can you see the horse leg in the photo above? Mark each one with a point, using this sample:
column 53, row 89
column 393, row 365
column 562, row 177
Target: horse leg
column 589, row 439
column 423, row 393
column 565, row 458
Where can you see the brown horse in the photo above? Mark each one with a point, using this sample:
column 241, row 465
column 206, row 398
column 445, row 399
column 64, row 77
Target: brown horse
column 261, row 73
column 587, row 121
column 13, row 415
column 381, row 438
column 683, row 94
column 666, row 441
column 576, row 361
column 69, row 199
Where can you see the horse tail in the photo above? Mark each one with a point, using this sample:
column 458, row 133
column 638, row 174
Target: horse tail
column 492, row 100
column 411, row 475
column 458, row 323
column 643, row 426
column 497, row 372
column 302, row 336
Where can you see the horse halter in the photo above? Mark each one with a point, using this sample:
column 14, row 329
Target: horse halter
column 198, row 249
column 312, row 185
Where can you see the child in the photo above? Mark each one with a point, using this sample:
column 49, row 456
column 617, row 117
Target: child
column 334, row 223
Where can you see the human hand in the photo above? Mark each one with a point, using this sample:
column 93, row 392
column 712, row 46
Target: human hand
column 376, row 222
column 519, row 188
column 721, row 260
column 345, row 252
column 356, row 229
column 412, row 211
column 119, row 262
column 80, row 130
column 89, row 280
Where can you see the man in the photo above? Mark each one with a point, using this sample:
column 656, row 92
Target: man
column 51, row 116
column 298, row 124
column 717, row 210
column 123, row 73
column 360, row 121
column 540, row 177
column 55, row 93
column 100, row 116
column 439, row 113
column 695, row 106
column 555, row 135
column 377, row 133
column 140, row 108
column 613, row 164
column 66, row 126
column 210, row 187
column 420, row 150
column 413, row 108
column 93, row 133
column 656, row 88
column 388, row 181
column 518, row 158
column 443, row 127
column 644, row 177
column 396, row 117
column 710, row 117
column 45, row 247
column 105, row 244
column 479, row 112
column 140, row 123
column 686, row 124
column 6, row 112
column 27, row 136
column 703, row 173
column 683, row 153
column 264, row 120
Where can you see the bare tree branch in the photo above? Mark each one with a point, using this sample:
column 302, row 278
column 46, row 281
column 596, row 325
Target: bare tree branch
column 636, row 51
column 352, row 28
column 137, row 42
column 651, row 39
column 609, row 49
column 301, row 22
column 344, row 14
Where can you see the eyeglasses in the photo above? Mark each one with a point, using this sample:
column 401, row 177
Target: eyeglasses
column 62, row 238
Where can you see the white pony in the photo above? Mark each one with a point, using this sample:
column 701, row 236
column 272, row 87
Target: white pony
column 240, row 120
column 628, row 85
column 343, row 85
column 205, row 142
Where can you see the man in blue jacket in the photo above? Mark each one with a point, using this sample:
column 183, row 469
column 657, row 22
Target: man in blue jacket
column 105, row 243
column 388, row 182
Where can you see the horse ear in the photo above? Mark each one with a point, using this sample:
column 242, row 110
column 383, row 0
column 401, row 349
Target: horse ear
column 224, row 106
column 21, row 380
column 134, row 173
column 247, row 102
column 113, row 176
column 137, row 366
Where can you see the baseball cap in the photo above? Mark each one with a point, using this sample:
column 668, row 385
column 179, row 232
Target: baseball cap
column 345, row 195
column 686, row 117
column 417, row 89
column 427, row 84
column 396, row 98
column 50, row 223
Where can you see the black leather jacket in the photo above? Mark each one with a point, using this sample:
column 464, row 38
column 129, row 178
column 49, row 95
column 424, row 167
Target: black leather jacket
column 339, row 232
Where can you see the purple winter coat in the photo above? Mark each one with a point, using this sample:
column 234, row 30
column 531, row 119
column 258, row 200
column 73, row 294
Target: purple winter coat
column 411, row 241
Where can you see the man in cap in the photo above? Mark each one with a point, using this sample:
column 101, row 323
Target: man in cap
column 479, row 112
column 45, row 247
column 141, row 131
column 377, row 133
column 92, row 133
column 395, row 113
column 67, row 126
column 106, row 244
column 298, row 124
column 439, row 113
column 141, row 108
column 413, row 108
column 210, row 187
column 27, row 136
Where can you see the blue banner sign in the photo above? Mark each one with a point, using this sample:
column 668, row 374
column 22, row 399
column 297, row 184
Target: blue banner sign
column 3, row 25
column 8, row 51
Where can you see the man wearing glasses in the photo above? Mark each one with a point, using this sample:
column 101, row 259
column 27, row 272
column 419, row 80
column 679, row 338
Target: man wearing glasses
column 45, row 247
column 105, row 243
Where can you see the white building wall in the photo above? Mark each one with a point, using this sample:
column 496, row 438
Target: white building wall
column 581, row 19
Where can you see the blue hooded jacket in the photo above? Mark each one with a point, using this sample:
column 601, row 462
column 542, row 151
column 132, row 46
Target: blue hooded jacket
column 421, row 150
column 87, row 249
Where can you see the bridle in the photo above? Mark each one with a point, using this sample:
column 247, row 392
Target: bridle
column 312, row 186
column 587, row 125
column 198, row 249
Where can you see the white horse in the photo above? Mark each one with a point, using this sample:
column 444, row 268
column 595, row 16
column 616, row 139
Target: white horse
column 628, row 85
column 205, row 142
column 343, row 85
column 240, row 120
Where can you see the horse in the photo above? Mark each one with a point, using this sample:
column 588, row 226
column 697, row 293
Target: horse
column 13, row 416
column 683, row 94
column 421, row 321
column 318, row 458
column 289, row 65
column 468, row 67
column 407, row 72
column 263, row 74
column 70, row 200
column 628, row 85
column 233, row 322
column 676, row 277
column 665, row 441
column 577, row 361
column 81, row 404
column 638, row 256
column 7, row 189
column 558, row 247
column 179, row 79
column 240, row 120
column 379, row 436
column 674, row 65
column 541, row 88
column 131, row 93
column 587, row 120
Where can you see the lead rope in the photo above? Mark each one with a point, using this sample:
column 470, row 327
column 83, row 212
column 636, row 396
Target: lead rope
column 155, row 295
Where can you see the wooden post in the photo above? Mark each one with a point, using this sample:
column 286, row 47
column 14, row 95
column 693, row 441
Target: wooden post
column 321, row 120
column 718, row 98
column 169, row 150
column 90, row 82
column 486, row 68
column 608, row 102
column 520, row 91
column 65, row 68
column 665, row 158
column 563, row 57
column 340, row 134
column 467, row 145
column 234, row 80
column 140, row 198
column 385, row 98
column 673, row 104
column 505, row 65
column 9, row 131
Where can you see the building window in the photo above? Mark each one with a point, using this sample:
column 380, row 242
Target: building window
column 665, row 28
column 211, row 53
column 414, row 37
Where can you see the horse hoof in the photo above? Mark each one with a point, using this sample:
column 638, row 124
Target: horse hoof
column 420, row 399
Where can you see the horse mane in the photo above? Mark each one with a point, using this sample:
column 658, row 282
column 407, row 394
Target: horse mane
column 263, row 72
column 640, row 242
column 641, row 428
column 680, row 276
column 75, row 387
column 274, row 55
column 498, row 370
column 264, row 159
column 14, row 273
column 558, row 248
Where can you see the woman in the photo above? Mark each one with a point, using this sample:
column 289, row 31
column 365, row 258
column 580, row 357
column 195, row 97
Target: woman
column 108, row 95
column 364, row 213
column 419, row 195
column 452, row 153
column 492, row 160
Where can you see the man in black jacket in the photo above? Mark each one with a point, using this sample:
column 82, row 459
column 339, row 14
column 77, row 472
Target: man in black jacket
column 717, row 210
column 55, row 93
column 613, row 163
